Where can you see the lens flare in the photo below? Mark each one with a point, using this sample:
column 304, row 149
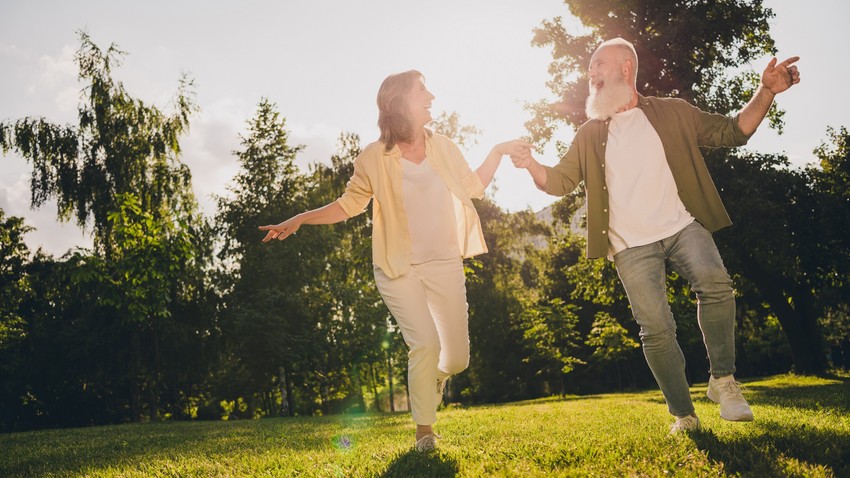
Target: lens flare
column 343, row 443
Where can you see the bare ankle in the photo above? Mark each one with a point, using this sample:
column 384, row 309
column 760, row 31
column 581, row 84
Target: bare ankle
column 423, row 430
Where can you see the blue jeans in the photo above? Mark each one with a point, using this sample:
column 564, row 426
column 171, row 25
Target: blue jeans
column 693, row 254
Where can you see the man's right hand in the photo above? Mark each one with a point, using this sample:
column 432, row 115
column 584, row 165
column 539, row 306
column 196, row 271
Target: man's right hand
column 523, row 160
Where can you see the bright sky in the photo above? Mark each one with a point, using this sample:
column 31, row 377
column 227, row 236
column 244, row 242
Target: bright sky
column 321, row 62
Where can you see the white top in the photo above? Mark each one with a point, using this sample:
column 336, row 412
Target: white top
column 430, row 214
column 642, row 195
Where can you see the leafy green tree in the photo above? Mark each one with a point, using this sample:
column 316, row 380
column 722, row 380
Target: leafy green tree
column 348, row 308
column 14, row 255
column 140, row 280
column 764, row 245
column 271, row 315
column 685, row 49
column 14, row 290
column 118, row 173
column 121, row 145
column 449, row 124
column 499, row 285
column 794, row 225
column 551, row 336
column 611, row 343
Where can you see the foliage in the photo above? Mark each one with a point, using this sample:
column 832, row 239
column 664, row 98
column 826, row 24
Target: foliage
column 266, row 325
column 118, row 173
column 504, row 280
column 549, row 330
column 610, row 339
column 14, row 255
column 449, row 124
column 685, row 49
column 795, row 256
column 121, row 145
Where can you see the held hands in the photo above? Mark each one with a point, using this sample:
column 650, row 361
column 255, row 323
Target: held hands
column 518, row 150
column 514, row 147
column 778, row 78
column 281, row 231
column 522, row 158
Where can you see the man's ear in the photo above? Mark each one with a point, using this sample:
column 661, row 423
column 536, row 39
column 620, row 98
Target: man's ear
column 626, row 68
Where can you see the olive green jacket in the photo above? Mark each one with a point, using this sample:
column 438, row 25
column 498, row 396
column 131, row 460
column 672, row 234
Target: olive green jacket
column 683, row 129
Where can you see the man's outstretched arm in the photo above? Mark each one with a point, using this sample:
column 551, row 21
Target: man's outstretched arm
column 775, row 79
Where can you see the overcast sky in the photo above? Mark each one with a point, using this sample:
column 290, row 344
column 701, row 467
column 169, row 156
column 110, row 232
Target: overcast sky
column 321, row 62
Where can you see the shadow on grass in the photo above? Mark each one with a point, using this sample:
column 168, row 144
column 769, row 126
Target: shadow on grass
column 834, row 396
column 767, row 453
column 431, row 464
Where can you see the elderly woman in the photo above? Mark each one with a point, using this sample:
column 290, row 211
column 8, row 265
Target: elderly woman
column 424, row 224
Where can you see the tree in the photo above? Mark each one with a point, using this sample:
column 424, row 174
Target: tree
column 122, row 157
column 14, row 255
column 14, row 290
column 274, row 298
column 551, row 336
column 685, row 49
column 449, row 124
column 794, row 227
column 611, row 342
column 140, row 280
column 120, row 146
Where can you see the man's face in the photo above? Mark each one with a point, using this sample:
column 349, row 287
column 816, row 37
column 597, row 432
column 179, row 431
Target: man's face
column 609, row 90
column 605, row 67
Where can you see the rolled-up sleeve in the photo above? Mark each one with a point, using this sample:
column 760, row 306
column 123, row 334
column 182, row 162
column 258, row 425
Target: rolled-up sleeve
column 358, row 191
column 716, row 130
column 564, row 177
column 469, row 179
column 473, row 185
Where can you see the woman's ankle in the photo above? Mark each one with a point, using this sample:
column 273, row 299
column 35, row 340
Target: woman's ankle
column 423, row 430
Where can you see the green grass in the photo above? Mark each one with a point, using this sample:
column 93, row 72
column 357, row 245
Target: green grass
column 802, row 428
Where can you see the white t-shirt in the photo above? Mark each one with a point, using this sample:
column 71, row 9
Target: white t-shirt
column 430, row 214
column 642, row 195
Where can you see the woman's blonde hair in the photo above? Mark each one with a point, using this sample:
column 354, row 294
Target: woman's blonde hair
column 393, row 118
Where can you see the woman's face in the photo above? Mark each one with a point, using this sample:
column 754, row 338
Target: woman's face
column 419, row 104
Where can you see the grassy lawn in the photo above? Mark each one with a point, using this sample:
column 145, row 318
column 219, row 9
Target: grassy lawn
column 802, row 428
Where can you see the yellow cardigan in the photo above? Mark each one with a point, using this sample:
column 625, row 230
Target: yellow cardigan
column 378, row 175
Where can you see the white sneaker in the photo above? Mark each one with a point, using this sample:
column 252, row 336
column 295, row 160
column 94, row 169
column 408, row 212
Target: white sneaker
column 727, row 392
column 685, row 424
column 427, row 443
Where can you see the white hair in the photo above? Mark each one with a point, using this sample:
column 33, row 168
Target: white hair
column 628, row 53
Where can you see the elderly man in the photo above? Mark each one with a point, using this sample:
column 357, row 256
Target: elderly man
column 651, row 202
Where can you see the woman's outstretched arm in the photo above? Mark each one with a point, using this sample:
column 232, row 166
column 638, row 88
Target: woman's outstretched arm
column 328, row 214
column 487, row 169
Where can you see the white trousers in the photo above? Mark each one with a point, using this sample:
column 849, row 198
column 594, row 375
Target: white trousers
column 429, row 305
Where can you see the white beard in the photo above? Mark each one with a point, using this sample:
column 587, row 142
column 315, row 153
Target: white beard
column 603, row 104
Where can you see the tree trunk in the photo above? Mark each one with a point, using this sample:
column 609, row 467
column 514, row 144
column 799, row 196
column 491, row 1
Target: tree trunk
column 798, row 321
column 284, row 395
column 806, row 342
column 135, row 376
column 619, row 375
column 290, row 398
column 361, row 403
column 154, row 386
column 375, row 386
column 390, row 380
